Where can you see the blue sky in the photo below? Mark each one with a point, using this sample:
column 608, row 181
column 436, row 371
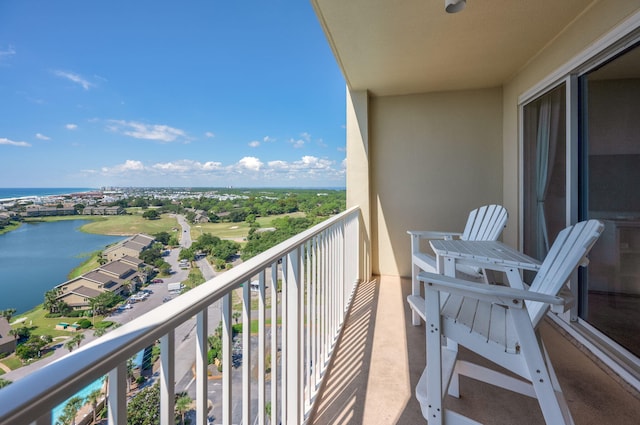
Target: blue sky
column 168, row 93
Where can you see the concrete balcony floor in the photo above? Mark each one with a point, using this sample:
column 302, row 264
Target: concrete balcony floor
column 380, row 357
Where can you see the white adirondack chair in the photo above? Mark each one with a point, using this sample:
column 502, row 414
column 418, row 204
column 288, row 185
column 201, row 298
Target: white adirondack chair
column 483, row 224
column 499, row 323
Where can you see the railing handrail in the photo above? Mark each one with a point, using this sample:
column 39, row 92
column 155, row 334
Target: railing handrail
column 32, row 395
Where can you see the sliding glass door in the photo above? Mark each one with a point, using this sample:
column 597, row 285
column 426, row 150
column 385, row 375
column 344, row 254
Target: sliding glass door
column 610, row 191
column 608, row 188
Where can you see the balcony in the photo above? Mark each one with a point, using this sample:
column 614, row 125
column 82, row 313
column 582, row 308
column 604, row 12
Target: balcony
column 342, row 350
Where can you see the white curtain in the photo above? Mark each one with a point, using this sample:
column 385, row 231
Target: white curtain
column 549, row 111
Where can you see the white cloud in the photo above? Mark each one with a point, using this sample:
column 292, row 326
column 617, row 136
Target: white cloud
column 297, row 144
column 301, row 142
column 42, row 136
column 308, row 170
column 268, row 139
column 187, row 166
column 278, row 165
column 254, row 143
column 6, row 53
column 250, row 163
column 158, row 132
column 75, row 78
column 209, row 135
column 5, row 141
column 71, row 126
column 128, row 166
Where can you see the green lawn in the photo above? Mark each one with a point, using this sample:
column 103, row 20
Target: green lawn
column 9, row 227
column 41, row 325
column 12, row 362
column 130, row 225
column 234, row 230
column 87, row 265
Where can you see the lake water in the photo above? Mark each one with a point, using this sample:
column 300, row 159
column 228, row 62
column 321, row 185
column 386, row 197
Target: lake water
column 38, row 256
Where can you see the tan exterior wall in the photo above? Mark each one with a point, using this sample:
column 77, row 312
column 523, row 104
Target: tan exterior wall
column 121, row 252
column 78, row 283
column 432, row 158
column 593, row 24
column 75, row 300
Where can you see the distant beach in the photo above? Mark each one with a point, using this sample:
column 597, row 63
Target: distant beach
column 9, row 193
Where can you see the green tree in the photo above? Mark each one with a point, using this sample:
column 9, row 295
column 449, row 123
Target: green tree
column 130, row 366
column 8, row 313
column 187, row 254
column 70, row 345
column 183, row 405
column 77, row 339
column 144, row 407
column 62, row 307
column 215, row 347
column 151, row 215
column 4, row 382
column 70, row 410
column 162, row 237
column 93, row 398
column 50, row 299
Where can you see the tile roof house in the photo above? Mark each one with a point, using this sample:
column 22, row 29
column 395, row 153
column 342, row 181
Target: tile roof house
column 132, row 247
column 7, row 341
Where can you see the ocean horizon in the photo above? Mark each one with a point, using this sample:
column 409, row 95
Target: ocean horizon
column 21, row 192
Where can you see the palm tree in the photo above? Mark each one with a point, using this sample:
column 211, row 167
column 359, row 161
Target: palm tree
column 70, row 344
column 71, row 410
column 93, row 398
column 50, row 300
column 236, row 315
column 15, row 333
column 61, row 307
column 99, row 332
column 129, row 373
column 183, row 405
column 8, row 313
column 77, row 339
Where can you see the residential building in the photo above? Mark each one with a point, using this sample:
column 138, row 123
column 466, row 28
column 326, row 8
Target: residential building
column 121, row 276
column 7, row 341
column 39, row 211
column 132, row 247
column 528, row 104
column 102, row 210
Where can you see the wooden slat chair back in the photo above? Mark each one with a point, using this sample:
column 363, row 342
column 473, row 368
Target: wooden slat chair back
column 499, row 323
column 483, row 223
column 568, row 251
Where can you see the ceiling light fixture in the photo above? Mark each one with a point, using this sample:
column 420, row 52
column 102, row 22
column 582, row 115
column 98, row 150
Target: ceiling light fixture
column 454, row 6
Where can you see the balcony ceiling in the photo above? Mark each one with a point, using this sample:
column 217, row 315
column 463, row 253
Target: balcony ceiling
column 413, row 46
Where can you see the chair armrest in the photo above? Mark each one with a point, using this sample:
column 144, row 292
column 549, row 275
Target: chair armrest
column 504, row 295
column 427, row 234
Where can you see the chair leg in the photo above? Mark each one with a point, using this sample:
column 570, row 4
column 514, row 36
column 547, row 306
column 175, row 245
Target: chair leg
column 433, row 330
column 415, row 290
column 415, row 283
column 554, row 409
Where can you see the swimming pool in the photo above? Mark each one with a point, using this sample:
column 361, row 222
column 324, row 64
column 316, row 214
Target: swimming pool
column 57, row 411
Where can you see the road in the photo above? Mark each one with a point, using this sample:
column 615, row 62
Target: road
column 184, row 335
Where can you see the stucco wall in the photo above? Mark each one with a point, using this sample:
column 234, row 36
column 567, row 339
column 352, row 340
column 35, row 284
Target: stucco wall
column 433, row 158
column 598, row 20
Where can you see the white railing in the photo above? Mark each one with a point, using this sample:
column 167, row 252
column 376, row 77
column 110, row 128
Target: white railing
column 311, row 279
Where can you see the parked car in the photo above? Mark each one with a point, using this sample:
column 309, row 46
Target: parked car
column 157, row 281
